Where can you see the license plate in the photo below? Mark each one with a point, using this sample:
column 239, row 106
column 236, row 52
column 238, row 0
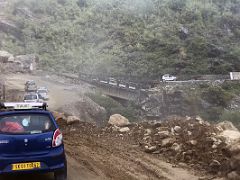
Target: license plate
column 26, row 166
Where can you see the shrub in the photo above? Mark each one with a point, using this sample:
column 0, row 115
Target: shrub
column 233, row 116
column 217, row 96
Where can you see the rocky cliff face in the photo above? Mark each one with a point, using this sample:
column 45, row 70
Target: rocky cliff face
column 208, row 99
column 22, row 63
column 9, row 27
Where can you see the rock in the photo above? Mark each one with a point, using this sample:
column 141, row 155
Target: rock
column 234, row 164
column 10, row 27
column 177, row 129
column 29, row 62
column 167, row 142
column 176, row 147
column 23, row 12
column 215, row 164
column 233, row 175
column 148, row 132
column 184, row 32
column 214, row 146
column 73, row 129
column 233, row 150
column 124, row 129
column 227, row 125
column 183, row 165
column 230, row 136
column 86, row 109
column 163, row 134
column 118, row 120
column 73, row 120
column 5, row 56
column 115, row 128
column 156, row 152
column 150, row 149
column 193, row 142
column 200, row 120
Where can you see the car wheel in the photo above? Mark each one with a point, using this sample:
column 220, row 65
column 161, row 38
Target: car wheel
column 60, row 175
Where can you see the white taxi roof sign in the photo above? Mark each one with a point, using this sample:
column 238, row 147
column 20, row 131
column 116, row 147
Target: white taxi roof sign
column 23, row 105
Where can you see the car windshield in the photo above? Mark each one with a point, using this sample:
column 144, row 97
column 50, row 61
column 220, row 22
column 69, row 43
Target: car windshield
column 25, row 124
column 30, row 97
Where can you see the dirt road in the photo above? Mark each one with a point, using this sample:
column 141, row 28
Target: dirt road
column 95, row 157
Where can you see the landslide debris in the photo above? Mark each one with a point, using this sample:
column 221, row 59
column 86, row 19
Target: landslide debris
column 86, row 109
column 185, row 142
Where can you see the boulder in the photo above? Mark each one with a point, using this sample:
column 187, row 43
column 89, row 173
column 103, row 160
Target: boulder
column 193, row 142
column 226, row 125
column 73, row 120
column 167, row 142
column 124, row 129
column 86, row 109
column 163, row 134
column 176, row 147
column 115, row 128
column 118, row 120
column 150, row 149
column 230, row 136
column 148, row 132
column 200, row 120
column 177, row 129
column 29, row 62
column 5, row 56
column 233, row 149
column 215, row 165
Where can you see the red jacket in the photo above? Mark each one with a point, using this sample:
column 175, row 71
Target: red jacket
column 11, row 127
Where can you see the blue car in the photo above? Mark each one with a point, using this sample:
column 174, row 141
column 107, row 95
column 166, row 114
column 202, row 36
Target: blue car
column 30, row 140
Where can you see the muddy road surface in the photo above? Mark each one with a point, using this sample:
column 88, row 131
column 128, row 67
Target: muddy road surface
column 94, row 157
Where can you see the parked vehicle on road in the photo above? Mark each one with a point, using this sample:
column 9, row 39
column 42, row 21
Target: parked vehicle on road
column 168, row 77
column 104, row 82
column 122, row 85
column 30, row 141
column 132, row 86
column 32, row 97
column 43, row 93
column 113, row 82
column 30, row 82
column 30, row 86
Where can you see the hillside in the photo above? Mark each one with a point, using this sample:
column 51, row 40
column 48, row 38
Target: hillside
column 145, row 38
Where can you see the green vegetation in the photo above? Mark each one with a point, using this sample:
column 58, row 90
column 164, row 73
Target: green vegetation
column 213, row 102
column 217, row 96
column 233, row 116
column 144, row 38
